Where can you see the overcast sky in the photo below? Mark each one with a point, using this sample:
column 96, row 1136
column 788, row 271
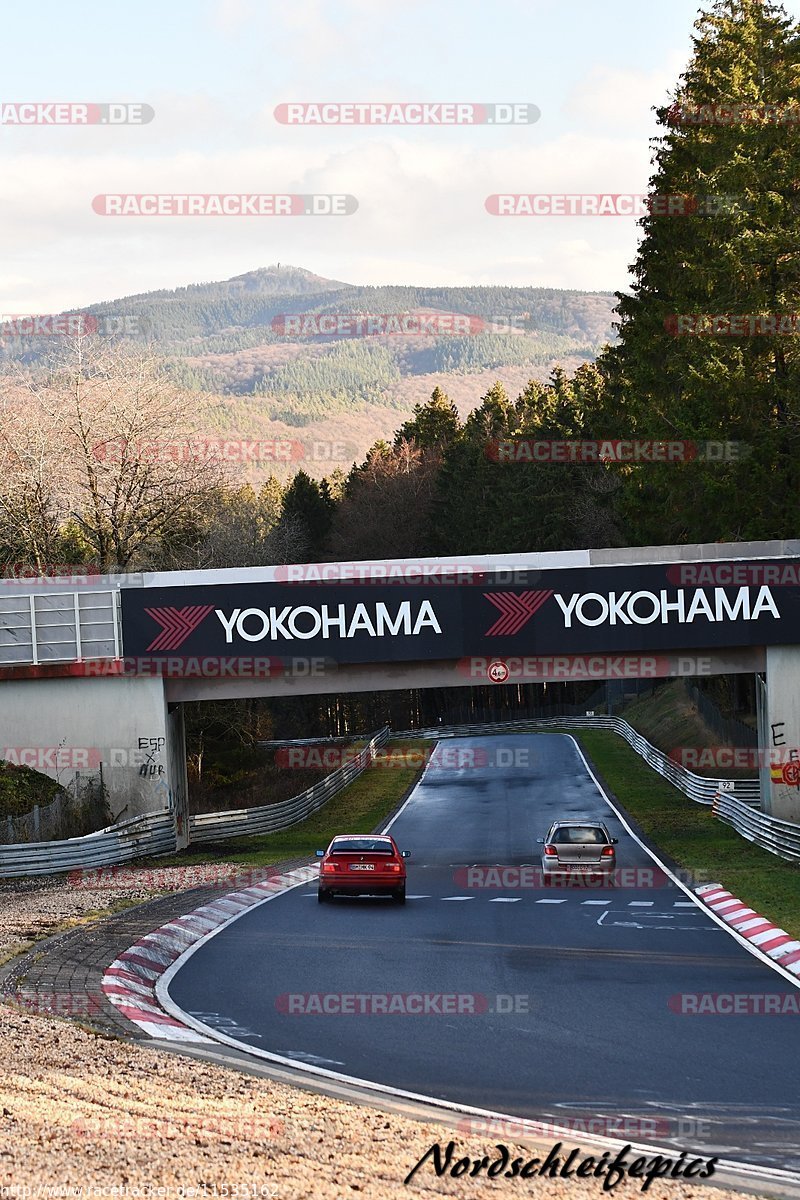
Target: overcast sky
column 214, row 71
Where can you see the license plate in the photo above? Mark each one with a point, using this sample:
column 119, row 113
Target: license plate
column 362, row 866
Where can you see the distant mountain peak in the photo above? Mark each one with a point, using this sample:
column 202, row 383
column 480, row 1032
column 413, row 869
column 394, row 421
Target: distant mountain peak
column 280, row 275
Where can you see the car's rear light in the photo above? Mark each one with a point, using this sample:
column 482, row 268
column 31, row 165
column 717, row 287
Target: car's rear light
column 394, row 866
column 330, row 866
column 607, row 852
column 551, row 850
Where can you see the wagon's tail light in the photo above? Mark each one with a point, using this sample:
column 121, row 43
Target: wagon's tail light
column 551, row 850
column 607, row 852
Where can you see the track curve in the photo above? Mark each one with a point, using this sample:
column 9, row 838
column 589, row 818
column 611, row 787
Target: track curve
column 566, row 995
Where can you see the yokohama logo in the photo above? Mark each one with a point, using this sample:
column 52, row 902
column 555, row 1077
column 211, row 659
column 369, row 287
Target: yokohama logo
column 516, row 610
column 683, row 607
column 176, row 624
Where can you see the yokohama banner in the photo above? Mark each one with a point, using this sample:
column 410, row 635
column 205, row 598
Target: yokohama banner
column 671, row 607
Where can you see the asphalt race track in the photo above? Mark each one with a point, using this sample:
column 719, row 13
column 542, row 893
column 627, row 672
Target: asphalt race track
column 591, row 1032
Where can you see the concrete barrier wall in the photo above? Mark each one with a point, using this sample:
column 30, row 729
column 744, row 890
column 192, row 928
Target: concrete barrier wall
column 60, row 726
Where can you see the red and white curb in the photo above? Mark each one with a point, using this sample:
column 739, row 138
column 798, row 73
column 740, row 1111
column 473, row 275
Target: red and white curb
column 130, row 981
column 767, row 937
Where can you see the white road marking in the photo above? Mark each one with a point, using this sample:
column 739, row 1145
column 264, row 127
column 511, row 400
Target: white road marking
column 595, row 901
column 659, row 916
column 301, row 1056
column 506, row 900
column 550, row 902
column 458, row 897
column 640, row 904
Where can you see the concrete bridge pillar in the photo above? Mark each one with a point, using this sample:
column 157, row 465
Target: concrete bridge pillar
column 72, row 725
column 781, row 725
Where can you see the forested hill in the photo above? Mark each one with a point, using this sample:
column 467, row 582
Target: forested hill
column 252, row 301
column 236, row 345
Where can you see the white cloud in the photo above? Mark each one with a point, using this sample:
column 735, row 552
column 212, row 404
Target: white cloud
column 421, row 216
column 622, row 99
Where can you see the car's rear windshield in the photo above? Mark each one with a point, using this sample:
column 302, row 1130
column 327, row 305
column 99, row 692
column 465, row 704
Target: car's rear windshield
column 585, row 835
column 361, row 846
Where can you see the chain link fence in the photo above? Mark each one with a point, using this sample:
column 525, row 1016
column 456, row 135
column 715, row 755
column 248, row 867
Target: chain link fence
column 80, row 808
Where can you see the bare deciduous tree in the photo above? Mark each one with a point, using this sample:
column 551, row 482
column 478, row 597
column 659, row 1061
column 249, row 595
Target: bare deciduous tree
column 30, row 472
column 118, row 437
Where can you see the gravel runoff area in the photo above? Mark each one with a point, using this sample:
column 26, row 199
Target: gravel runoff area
column 83, row 1115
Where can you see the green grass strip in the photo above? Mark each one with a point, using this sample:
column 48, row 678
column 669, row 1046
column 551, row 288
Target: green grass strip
column 697, row 840
column 359, row 808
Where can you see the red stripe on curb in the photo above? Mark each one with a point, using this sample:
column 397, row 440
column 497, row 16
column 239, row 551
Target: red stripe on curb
column 167, row 943
column 780, row 939
column 736, row 913
column 155, row 1016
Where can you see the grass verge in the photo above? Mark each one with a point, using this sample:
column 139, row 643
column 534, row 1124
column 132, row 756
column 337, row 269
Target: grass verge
column 669, row 719
column 696, row 839
column 358, row 809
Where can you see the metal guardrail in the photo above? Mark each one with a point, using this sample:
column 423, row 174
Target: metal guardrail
column 268, row 818
column 694, row 786
column 154, row 833
column 778, row 837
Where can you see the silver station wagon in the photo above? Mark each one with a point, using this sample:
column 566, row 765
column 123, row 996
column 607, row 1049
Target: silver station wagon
column 578, row 848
